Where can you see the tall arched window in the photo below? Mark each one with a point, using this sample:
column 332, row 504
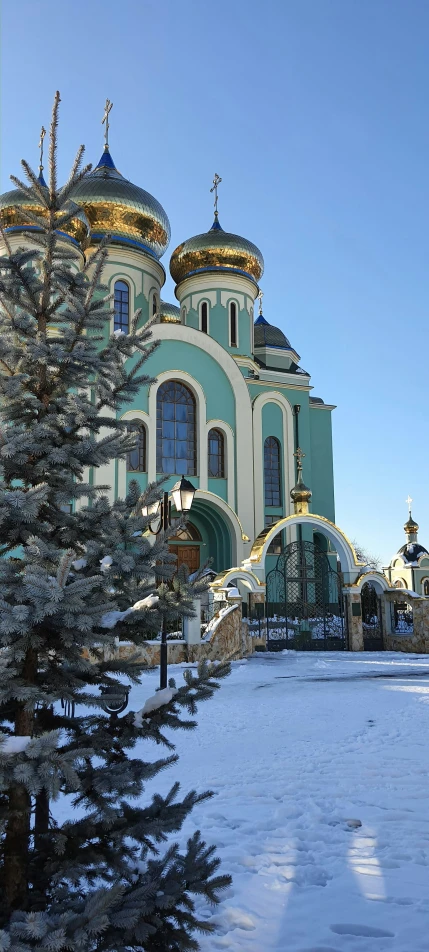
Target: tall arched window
column 175, row 429
column 216, row 454
column 233, row 324
column 272, row 472
column 204, row 317
column 154, row 304
column 136, row 459
column 426, row 587
column 122, row 307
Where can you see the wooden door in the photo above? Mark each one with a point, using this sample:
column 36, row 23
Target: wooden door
column 187, row 555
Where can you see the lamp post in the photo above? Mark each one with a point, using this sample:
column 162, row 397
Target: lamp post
column 182, row 493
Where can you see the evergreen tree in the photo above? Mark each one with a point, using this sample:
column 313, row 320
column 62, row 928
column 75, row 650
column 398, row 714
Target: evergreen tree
column 71, row 583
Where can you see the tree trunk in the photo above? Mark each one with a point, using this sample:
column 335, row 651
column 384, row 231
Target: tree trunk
column 17, row 839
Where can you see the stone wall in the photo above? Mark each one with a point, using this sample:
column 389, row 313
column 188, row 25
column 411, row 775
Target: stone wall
column 229, row 640
column 418, row 641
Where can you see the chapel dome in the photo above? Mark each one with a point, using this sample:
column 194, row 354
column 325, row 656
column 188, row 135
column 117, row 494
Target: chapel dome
column 126, row 212
column 216, row 250
column 168, row 313
column 412, row 551
column 267, row 335
column 15, row 204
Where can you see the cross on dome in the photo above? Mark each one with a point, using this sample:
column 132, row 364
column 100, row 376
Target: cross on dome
column 216, row 181
column 259, row 298
column 409, row 501
column 105, row 121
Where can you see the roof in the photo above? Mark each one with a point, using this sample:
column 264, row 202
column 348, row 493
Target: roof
column 412, row 551
column 267, row 335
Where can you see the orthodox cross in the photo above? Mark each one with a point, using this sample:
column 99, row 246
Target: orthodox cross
column 259, row 297
column 409, row 501
column 105, row 120
column 299, row 455
column 216, row 181
column 42, row 136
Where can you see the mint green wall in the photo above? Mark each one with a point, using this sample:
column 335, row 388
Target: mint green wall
column 132, row 276
column 322, row 501
column 219, row 322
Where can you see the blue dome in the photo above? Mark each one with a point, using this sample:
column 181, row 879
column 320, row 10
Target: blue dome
column 266, row 335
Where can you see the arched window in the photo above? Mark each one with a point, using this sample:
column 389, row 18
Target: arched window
column 122, row 307
column 175, row 429
column 204, row 317
column 216, row 454
column 426, row 587
column 233, row 324
column 399, row 583
column 272, row 472
column 154, row 304
column 136, row 459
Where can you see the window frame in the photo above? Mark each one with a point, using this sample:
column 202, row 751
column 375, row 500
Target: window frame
column 269, row 476
column 121, row 291
column 220, row 455
column 137, row 425
column 231, row 305
column 204, row 305
column 425, row 582
column 172, row 421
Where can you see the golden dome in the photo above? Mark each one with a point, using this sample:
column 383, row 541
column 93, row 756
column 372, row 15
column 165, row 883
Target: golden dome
column 116, row 207
column 300, row 495
column 411, row 526
column 216, row 250
column 15, row 205
column 168, row 313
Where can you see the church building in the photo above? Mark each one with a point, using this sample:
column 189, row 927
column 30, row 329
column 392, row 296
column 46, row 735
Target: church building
column 231, row 406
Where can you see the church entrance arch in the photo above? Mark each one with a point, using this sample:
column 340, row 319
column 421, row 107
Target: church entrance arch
column 304, row 601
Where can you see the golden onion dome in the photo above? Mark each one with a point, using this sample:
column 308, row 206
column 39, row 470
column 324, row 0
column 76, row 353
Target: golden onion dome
column 16, row 205
column 411, row 526
column 216, row 250
column 168, row 313
column 116, row 207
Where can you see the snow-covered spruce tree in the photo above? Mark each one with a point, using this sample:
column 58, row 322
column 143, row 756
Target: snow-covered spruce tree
column 99, row 880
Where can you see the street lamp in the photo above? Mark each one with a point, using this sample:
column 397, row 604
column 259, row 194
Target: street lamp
column 183, row 493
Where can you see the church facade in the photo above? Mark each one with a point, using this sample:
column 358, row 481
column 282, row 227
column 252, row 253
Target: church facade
column 231, row 405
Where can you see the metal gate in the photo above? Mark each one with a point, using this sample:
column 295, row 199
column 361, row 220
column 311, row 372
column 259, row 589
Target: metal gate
column 304, row 606
column 372, row 619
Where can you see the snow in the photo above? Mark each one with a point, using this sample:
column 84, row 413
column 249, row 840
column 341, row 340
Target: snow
column 13, row 745
column 153, row 703
column 212, row 625
column 79, row 564
column 319, row 764
column 106, row 562
column 110, row 619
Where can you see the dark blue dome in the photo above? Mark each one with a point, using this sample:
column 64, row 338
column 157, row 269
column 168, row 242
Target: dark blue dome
column 266, row 335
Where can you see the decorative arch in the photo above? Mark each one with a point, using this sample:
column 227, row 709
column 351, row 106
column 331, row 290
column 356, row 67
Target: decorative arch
column 376, row 579
column 249, row 579
column 349, row 562
column 288, row 471
column 176, row 444
column 229, row 517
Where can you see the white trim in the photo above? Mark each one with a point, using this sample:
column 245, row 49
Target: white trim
column 376, row 578
column 288, row 472
column 200, row 404
column 213, row 280
column 145, row 267
column 243, row 412
column 122, row 463
column 228, row 454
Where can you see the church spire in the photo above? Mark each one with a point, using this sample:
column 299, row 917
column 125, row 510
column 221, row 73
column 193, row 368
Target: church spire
column 300, row 494
column 216, row 181
column 411, row 528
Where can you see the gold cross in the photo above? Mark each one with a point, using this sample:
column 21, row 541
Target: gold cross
column 216, row 181
column 42, row 136
column 105, row 120
column 409, row 501
column 299, row 458
column 259, row 297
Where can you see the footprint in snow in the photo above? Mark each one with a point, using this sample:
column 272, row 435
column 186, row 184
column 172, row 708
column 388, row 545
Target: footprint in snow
column 347, row 928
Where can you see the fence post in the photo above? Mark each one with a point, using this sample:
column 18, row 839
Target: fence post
column 192, row 626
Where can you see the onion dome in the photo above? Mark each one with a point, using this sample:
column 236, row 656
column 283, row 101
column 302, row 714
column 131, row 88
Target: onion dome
column 300, row 494
column 168, row 313
column 16, row 205
column 116, row 207
column 412, row 550
column 216, row 250
column 266, row 335
column 410, row 526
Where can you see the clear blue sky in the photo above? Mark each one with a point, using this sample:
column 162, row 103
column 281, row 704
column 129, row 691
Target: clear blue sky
column 315, row 113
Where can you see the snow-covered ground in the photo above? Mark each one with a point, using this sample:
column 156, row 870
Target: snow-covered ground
column 300, row 749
